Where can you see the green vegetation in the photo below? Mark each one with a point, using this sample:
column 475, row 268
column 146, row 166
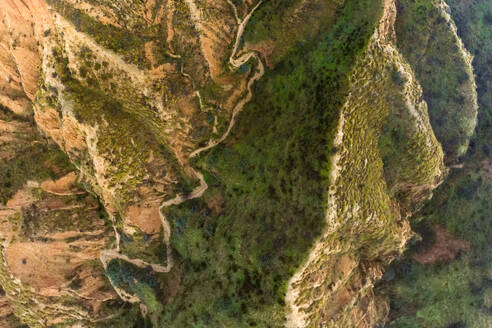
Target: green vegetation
column 474, row 21
column 449, row 293
column 286, row 23
column 139, row 282
column 132, row 167
column 120, row 128
column 11, row 319
column 237, row 246
column 411, row 154
column 144, row 247
column 37, row 222
column 427, row 41
column 463, row 205
column 39, row 161
column 126, row 316
column 268, row 19
column 456, row 293
column 129, row 44
column 444, row 297
column 240, row 243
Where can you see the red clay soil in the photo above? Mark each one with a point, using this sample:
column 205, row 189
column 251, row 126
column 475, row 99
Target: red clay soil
column 444, row 248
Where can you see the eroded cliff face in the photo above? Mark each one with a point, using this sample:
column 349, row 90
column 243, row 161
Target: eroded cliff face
column 135, row 92
column 374, row 186
column 52, row 235
column 127, row 91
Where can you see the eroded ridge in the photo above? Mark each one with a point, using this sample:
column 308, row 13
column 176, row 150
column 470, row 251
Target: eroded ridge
column 365, row 224
column 107, row 105
column 105, row 98
column 235, row 62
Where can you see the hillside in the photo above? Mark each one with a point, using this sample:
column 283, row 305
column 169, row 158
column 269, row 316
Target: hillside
column 240, row 163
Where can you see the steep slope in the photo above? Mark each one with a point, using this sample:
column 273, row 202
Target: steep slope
column 454, row 290
column 20, row 60
column 428, row 39
column 234, row 163
column 101, row 83
column 51, row 234
column 51, row 238
column 268, row 190
column 454, row 287
column 366, row 226
column 474, row 20
column 7, row 317
column 279, row 26
column 85, row 83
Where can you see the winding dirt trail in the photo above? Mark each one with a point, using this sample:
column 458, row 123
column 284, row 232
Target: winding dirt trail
column 108, row 255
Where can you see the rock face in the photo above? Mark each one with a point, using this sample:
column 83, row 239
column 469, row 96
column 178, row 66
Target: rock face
column 108, row 112
column 52, row 235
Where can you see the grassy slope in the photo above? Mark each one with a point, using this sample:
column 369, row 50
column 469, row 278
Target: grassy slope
column 428, row 43
column 91, row 106
column 129, row 45
column 474, row 21
column 450, row 293
column 285, row 23
column 138, row 282
column 272, row 178
column 458, row 292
